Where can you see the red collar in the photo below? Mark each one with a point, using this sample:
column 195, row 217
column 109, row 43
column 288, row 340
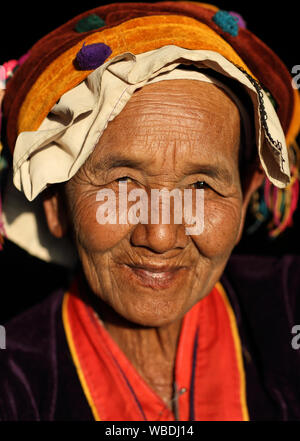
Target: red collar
column 208, row 365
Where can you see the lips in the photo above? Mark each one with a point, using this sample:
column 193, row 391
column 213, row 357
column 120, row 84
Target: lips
column 155, row 277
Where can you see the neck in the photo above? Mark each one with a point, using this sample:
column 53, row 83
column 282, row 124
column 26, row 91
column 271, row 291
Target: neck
column 151, row 350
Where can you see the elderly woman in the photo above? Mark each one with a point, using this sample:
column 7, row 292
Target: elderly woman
column 160, row 323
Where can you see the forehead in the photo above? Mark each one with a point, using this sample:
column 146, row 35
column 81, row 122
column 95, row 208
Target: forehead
column 176, row 120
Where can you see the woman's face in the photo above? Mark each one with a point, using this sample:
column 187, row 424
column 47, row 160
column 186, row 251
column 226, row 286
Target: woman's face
column 171, row 134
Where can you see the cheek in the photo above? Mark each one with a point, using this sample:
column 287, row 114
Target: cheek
column 90, row 234
column 222, row 220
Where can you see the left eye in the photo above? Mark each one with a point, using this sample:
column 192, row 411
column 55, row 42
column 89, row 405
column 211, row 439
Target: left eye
column 200, row 185
column 124, row 179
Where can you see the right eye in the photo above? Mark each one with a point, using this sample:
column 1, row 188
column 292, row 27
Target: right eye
column 124, row 179
column 201, row 185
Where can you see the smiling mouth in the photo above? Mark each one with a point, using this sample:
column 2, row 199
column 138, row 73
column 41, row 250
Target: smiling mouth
column 155, row 277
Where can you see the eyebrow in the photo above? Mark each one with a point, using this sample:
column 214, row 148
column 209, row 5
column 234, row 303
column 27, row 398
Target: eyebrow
column 115, row 161
column 215, row 171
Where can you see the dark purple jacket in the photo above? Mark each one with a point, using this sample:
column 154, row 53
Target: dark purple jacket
column 38, row 380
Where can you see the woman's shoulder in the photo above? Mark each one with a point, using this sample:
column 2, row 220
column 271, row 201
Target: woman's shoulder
column 266, row 263
column 265, row 294
column 38, row 379
column 28, row 363
column 271, row 282
column 32, row 327
column 259, row 272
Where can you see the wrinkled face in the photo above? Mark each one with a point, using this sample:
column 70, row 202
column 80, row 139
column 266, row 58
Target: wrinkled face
column 172, row 134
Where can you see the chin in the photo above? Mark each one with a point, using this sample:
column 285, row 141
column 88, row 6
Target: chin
column 153, row 322
column 152, row 314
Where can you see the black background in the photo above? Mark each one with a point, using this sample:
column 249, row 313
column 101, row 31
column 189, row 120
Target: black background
column 25, row 280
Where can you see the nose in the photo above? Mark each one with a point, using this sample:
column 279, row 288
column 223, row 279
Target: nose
column 159, row 238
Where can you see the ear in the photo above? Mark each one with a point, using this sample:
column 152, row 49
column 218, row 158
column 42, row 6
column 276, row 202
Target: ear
column 251, row 182
column 55, row 212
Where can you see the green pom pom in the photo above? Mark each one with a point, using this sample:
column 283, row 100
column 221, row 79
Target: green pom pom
column 89, row 23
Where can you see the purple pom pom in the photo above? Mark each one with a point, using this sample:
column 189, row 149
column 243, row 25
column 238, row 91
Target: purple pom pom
column 240, row 21
column 92, row 56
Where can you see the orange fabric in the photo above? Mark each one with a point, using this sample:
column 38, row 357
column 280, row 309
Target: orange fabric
column 294, row 126
column 137, row 36
column 208, row 364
